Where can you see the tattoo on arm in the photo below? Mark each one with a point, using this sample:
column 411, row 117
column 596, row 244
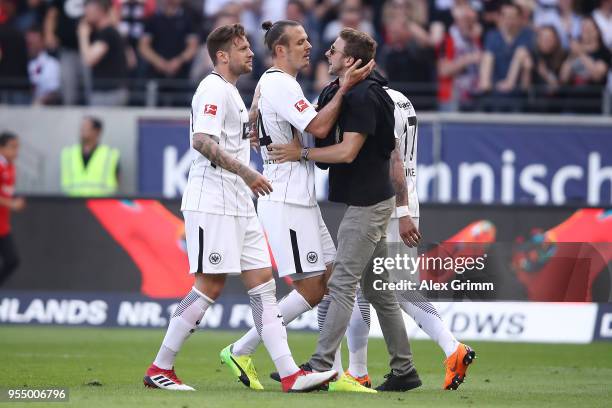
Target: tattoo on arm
column 398, row 178
column 210, row 149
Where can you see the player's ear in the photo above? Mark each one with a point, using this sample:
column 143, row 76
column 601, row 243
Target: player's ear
column 223, row 56
column 278, row 49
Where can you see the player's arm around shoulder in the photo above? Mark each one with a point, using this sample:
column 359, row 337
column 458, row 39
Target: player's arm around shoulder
column 209, row 148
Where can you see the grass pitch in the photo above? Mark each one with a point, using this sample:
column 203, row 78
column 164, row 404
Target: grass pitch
column 104, row 368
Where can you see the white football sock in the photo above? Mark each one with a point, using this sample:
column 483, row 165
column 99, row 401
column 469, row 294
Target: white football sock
column 428, row 319
column 357, row 336
column 270, row 327
column 291, row 306
column 183, row 323
column 337, row 366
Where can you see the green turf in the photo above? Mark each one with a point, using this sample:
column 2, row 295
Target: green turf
column 104, row 368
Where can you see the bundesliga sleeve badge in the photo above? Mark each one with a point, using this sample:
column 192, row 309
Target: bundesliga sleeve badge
column 210, row 110
column 301, row 105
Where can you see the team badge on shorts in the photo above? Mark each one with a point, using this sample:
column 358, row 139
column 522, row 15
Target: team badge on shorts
column 214, row 258
column 312, row 257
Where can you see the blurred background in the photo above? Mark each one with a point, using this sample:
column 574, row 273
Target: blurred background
column 514, row 152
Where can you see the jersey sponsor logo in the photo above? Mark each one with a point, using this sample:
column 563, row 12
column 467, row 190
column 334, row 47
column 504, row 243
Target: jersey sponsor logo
column 214, row 258
column 301, row 105
column 210, row 110
column 404, row 105
column 312, row 257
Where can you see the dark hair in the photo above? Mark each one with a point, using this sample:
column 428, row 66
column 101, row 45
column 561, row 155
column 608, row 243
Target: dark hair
column 358, row 45
column 103, row 4
column 555, row 59
column 275, row 33
column 597, row 30
column 220, row 39
column 6, row 137
column 95, row 123
column 512, row 5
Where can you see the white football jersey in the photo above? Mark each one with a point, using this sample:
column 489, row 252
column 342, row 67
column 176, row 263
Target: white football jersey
column 406, row 129
column 285, row 112
column 218, row 110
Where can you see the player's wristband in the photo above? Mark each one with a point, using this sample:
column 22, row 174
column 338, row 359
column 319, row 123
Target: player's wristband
column 402, row 211
column 305, row 152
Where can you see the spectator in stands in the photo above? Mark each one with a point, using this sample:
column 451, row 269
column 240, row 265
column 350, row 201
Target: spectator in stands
column 9, row 259
column 458, row 60
column 490, row 14
column 415, row 12
column 546, row 68
column 103, row 50
column 352, row 15
column 43, row 69
column 60, row 28
column 202, row 64
column 169, row 46
column 500, row 46
column 603, row 17
column 90, row 169
column 14, row 83
column 560, row 14
column 247, row 10
column 410, row 64
column 540, row 70
column 585, row 70
column 129, row 17
column 31, row 14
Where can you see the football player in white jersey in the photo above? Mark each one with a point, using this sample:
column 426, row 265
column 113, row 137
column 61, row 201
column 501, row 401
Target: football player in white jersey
column 301, row 244
column 405, row 217
column 223, row 233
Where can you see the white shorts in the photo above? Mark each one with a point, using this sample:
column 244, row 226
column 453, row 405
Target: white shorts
column 224, row 243
column 298, row 237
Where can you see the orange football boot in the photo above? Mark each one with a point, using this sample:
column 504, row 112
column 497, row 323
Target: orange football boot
column 456, row 366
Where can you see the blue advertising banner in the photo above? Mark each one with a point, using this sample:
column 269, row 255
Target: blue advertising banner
column 477, row 163
column 521, row 164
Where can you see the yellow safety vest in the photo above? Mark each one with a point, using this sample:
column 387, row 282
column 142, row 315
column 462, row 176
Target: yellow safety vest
column 98, row 179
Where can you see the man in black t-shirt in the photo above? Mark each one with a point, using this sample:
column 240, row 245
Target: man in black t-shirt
column 60, row 28
column 169, row 44
column 360, row 155
column 102, row 48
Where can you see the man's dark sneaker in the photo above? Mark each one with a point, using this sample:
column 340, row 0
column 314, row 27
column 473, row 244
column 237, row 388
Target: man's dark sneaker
column 400, row 383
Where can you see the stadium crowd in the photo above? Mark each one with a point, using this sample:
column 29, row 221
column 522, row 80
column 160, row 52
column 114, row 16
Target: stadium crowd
column 449, row 55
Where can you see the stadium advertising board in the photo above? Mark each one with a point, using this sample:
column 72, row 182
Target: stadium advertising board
column 469, row 163
column 499, row 321
column 603, row 324
column 107, row 269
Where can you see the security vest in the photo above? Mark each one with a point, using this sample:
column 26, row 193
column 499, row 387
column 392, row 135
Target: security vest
column 98, row 179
